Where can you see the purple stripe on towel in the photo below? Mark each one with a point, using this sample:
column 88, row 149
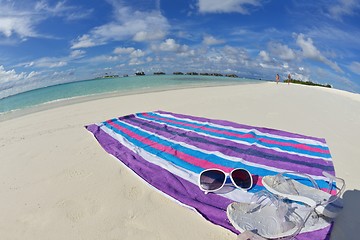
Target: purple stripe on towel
column 237, row 125
column 253, row 136
column 263, row 156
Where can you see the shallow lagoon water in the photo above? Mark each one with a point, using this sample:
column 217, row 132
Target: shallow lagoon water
column 120, row 86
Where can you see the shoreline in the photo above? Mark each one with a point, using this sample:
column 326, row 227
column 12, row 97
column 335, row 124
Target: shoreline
column 80, row 99
column 57, row 179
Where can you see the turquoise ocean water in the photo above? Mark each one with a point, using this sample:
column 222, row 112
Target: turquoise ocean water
column 121, row 86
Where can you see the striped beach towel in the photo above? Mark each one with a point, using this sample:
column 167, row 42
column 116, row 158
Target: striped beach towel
column 169, row 150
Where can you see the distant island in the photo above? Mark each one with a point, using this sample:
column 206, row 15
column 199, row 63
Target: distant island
column 109, row 76
column 206, row 74
column 309, row 83
column 141, row 73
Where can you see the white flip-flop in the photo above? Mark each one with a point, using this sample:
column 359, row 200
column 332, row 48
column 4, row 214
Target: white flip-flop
column 267, row 216
column 323, row 202
column 271, row 217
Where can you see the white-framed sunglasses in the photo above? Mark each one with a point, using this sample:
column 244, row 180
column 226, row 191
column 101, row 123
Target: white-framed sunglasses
column 213, row 179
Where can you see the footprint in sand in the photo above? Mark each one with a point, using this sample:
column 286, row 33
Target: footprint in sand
column 76, row 173
column 75, row 211
column 75, row 215
column 132, row 193
column 72, row 210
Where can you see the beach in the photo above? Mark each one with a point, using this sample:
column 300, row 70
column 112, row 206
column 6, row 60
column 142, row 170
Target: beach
column 58, row 183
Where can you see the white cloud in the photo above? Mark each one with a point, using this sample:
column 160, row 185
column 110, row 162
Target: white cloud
column 33, row 74
column 344, row 8
column 132, row 52
column 264, row 56
column 77, row 54
column 311, row 52
column 135, row 61
column 84, row 41
column 333, row 36
column 300, row 76
column 169, row 45
column 60, row 9
column 308, row 48
column 55, row 62
column 215, row 58
column 19, row 25
column 50, row 62
column 219, row 6
column 210, row 40
column 102, row 59
column 20, row 19
column 241, row 54
column 10, row 75
column 223, row 58
column 355, row 67
column 122, row 50
column 10, row 81
column 143, row 36
column 336, row 80
column 282, row 51
column 187, row 53
column 127, row 24
column 137, row 53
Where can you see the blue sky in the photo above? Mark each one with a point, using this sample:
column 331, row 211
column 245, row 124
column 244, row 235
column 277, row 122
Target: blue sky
column 48, row 42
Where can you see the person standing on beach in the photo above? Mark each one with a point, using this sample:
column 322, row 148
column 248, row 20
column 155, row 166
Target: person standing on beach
column 289, row 78
column 277, row 78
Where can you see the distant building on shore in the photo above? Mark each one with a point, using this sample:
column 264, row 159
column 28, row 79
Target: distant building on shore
column 206, row 74
column 231, row 75
column 159, row 73
column 139, row 73
column 192, row 73
column 106, row 75
column 212, row 74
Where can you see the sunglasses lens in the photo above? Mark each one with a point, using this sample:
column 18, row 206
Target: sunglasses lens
column 212, row 180
column 242, row 178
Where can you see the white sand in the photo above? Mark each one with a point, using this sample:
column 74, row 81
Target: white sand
column 58, row 183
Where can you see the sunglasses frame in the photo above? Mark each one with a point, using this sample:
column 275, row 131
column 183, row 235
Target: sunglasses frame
column 225, row 177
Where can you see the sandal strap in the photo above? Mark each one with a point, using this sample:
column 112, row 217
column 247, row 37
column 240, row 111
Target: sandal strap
column 333, row 179
column 315, row 185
